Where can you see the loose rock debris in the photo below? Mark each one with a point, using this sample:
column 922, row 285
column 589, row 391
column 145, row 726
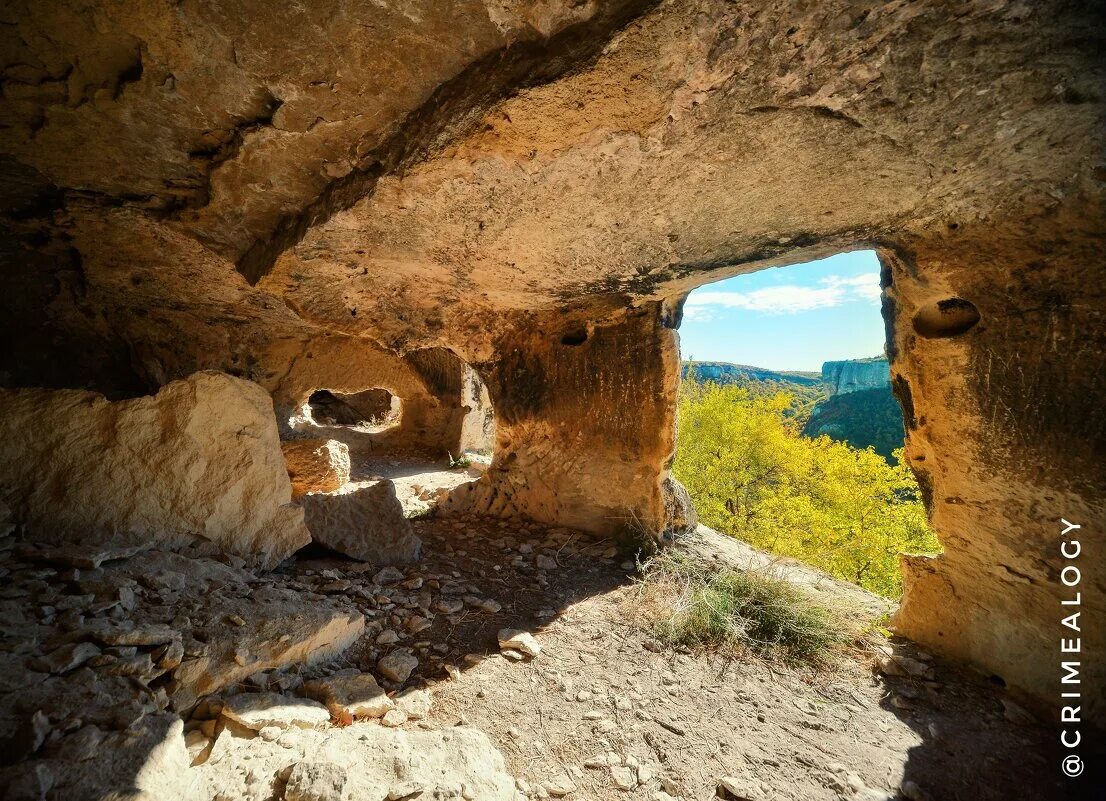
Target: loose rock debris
column 188, row 677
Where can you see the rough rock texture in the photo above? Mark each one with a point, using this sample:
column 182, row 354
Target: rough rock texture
column 558, row 458
column 855, row 375
column 1005, row 431
column 364, row 521
column 159, row 630
column 197, row 464
column 342, row 200
column 148, row 760
column 363, row 761
column 280, row 631
column 316, row 465
column 350, row 691
column 255, row 711
column 679, row 510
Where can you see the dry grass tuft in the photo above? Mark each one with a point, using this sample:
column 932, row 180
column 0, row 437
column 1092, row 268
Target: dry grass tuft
column 735, row 612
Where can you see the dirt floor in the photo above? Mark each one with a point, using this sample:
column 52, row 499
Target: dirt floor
column 122, row 668
column 606, row 712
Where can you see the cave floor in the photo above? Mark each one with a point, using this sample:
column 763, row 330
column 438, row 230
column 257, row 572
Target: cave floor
column 602, row 712
column 601, row 690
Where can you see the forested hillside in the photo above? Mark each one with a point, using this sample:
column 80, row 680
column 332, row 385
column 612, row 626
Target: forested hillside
column 805, row 390
column 869, row 417
column 850, row 401
column 752, row 475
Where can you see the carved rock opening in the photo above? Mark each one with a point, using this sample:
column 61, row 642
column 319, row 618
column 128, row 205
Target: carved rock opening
column 372, row 409
column 946, row 318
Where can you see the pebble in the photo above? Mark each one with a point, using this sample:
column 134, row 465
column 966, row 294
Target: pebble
column 397, row 666
column 518, row 640
column 559, row 786
column 624, row 778
column 394, row 718
column 735, row 788
column 387, row 637
column 388, row 575
column 414, row 703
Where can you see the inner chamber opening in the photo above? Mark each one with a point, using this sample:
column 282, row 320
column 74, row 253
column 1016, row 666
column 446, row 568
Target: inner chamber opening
column 372, row 410
column 790, row 438
column 429, row 433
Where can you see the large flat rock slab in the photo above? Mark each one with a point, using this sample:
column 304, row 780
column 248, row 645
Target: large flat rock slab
column 363, row 761
column 261, row 634
column 364, row 521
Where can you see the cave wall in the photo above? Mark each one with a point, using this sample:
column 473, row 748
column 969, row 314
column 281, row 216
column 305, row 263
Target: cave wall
column 316, row 204
column 585, row 423
column 1005, row 429
column 427, row 383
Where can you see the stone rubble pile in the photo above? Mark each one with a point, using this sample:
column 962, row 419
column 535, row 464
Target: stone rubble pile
column 121, row 667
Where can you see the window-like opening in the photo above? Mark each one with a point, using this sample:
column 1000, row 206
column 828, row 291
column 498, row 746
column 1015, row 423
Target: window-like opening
column 790, row 437
column 440, row 436
column 946, row 318
column 372, row 410
column 577, row 336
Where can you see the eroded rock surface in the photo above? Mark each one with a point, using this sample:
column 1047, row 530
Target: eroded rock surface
column 270, row 630
column 343, row 201
column 363, row 761
column 99, row 663
column 316, row 465
column 147, row 760
column 198, row 464
column 364, row 521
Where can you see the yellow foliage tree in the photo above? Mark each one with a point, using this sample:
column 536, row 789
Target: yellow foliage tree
column 751, row 475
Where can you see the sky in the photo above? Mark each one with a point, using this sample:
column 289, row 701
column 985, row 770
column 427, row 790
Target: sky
column 788, row 318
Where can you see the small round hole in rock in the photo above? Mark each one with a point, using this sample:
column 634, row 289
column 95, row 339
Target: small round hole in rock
column 946, row 318
column 575, row 337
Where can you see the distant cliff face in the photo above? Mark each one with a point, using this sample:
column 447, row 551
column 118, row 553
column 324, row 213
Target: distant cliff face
column 726, row 373
column 855, row 375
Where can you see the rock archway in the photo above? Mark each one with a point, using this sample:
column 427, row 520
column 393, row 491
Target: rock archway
column 310, row 205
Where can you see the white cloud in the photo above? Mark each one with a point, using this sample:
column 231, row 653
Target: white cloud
column 787, row 298
column 864, row 287
column 700, row 314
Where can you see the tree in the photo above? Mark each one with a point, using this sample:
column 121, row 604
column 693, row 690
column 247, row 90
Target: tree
column 839, row 508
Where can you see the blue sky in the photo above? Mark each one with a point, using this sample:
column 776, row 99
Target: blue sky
column 788, row 318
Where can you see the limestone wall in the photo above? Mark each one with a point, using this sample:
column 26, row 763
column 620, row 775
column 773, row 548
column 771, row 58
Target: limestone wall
column 1005, row 429
column 319, row 204
column 199, row 465
column 585, row 418
column 854, row 375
